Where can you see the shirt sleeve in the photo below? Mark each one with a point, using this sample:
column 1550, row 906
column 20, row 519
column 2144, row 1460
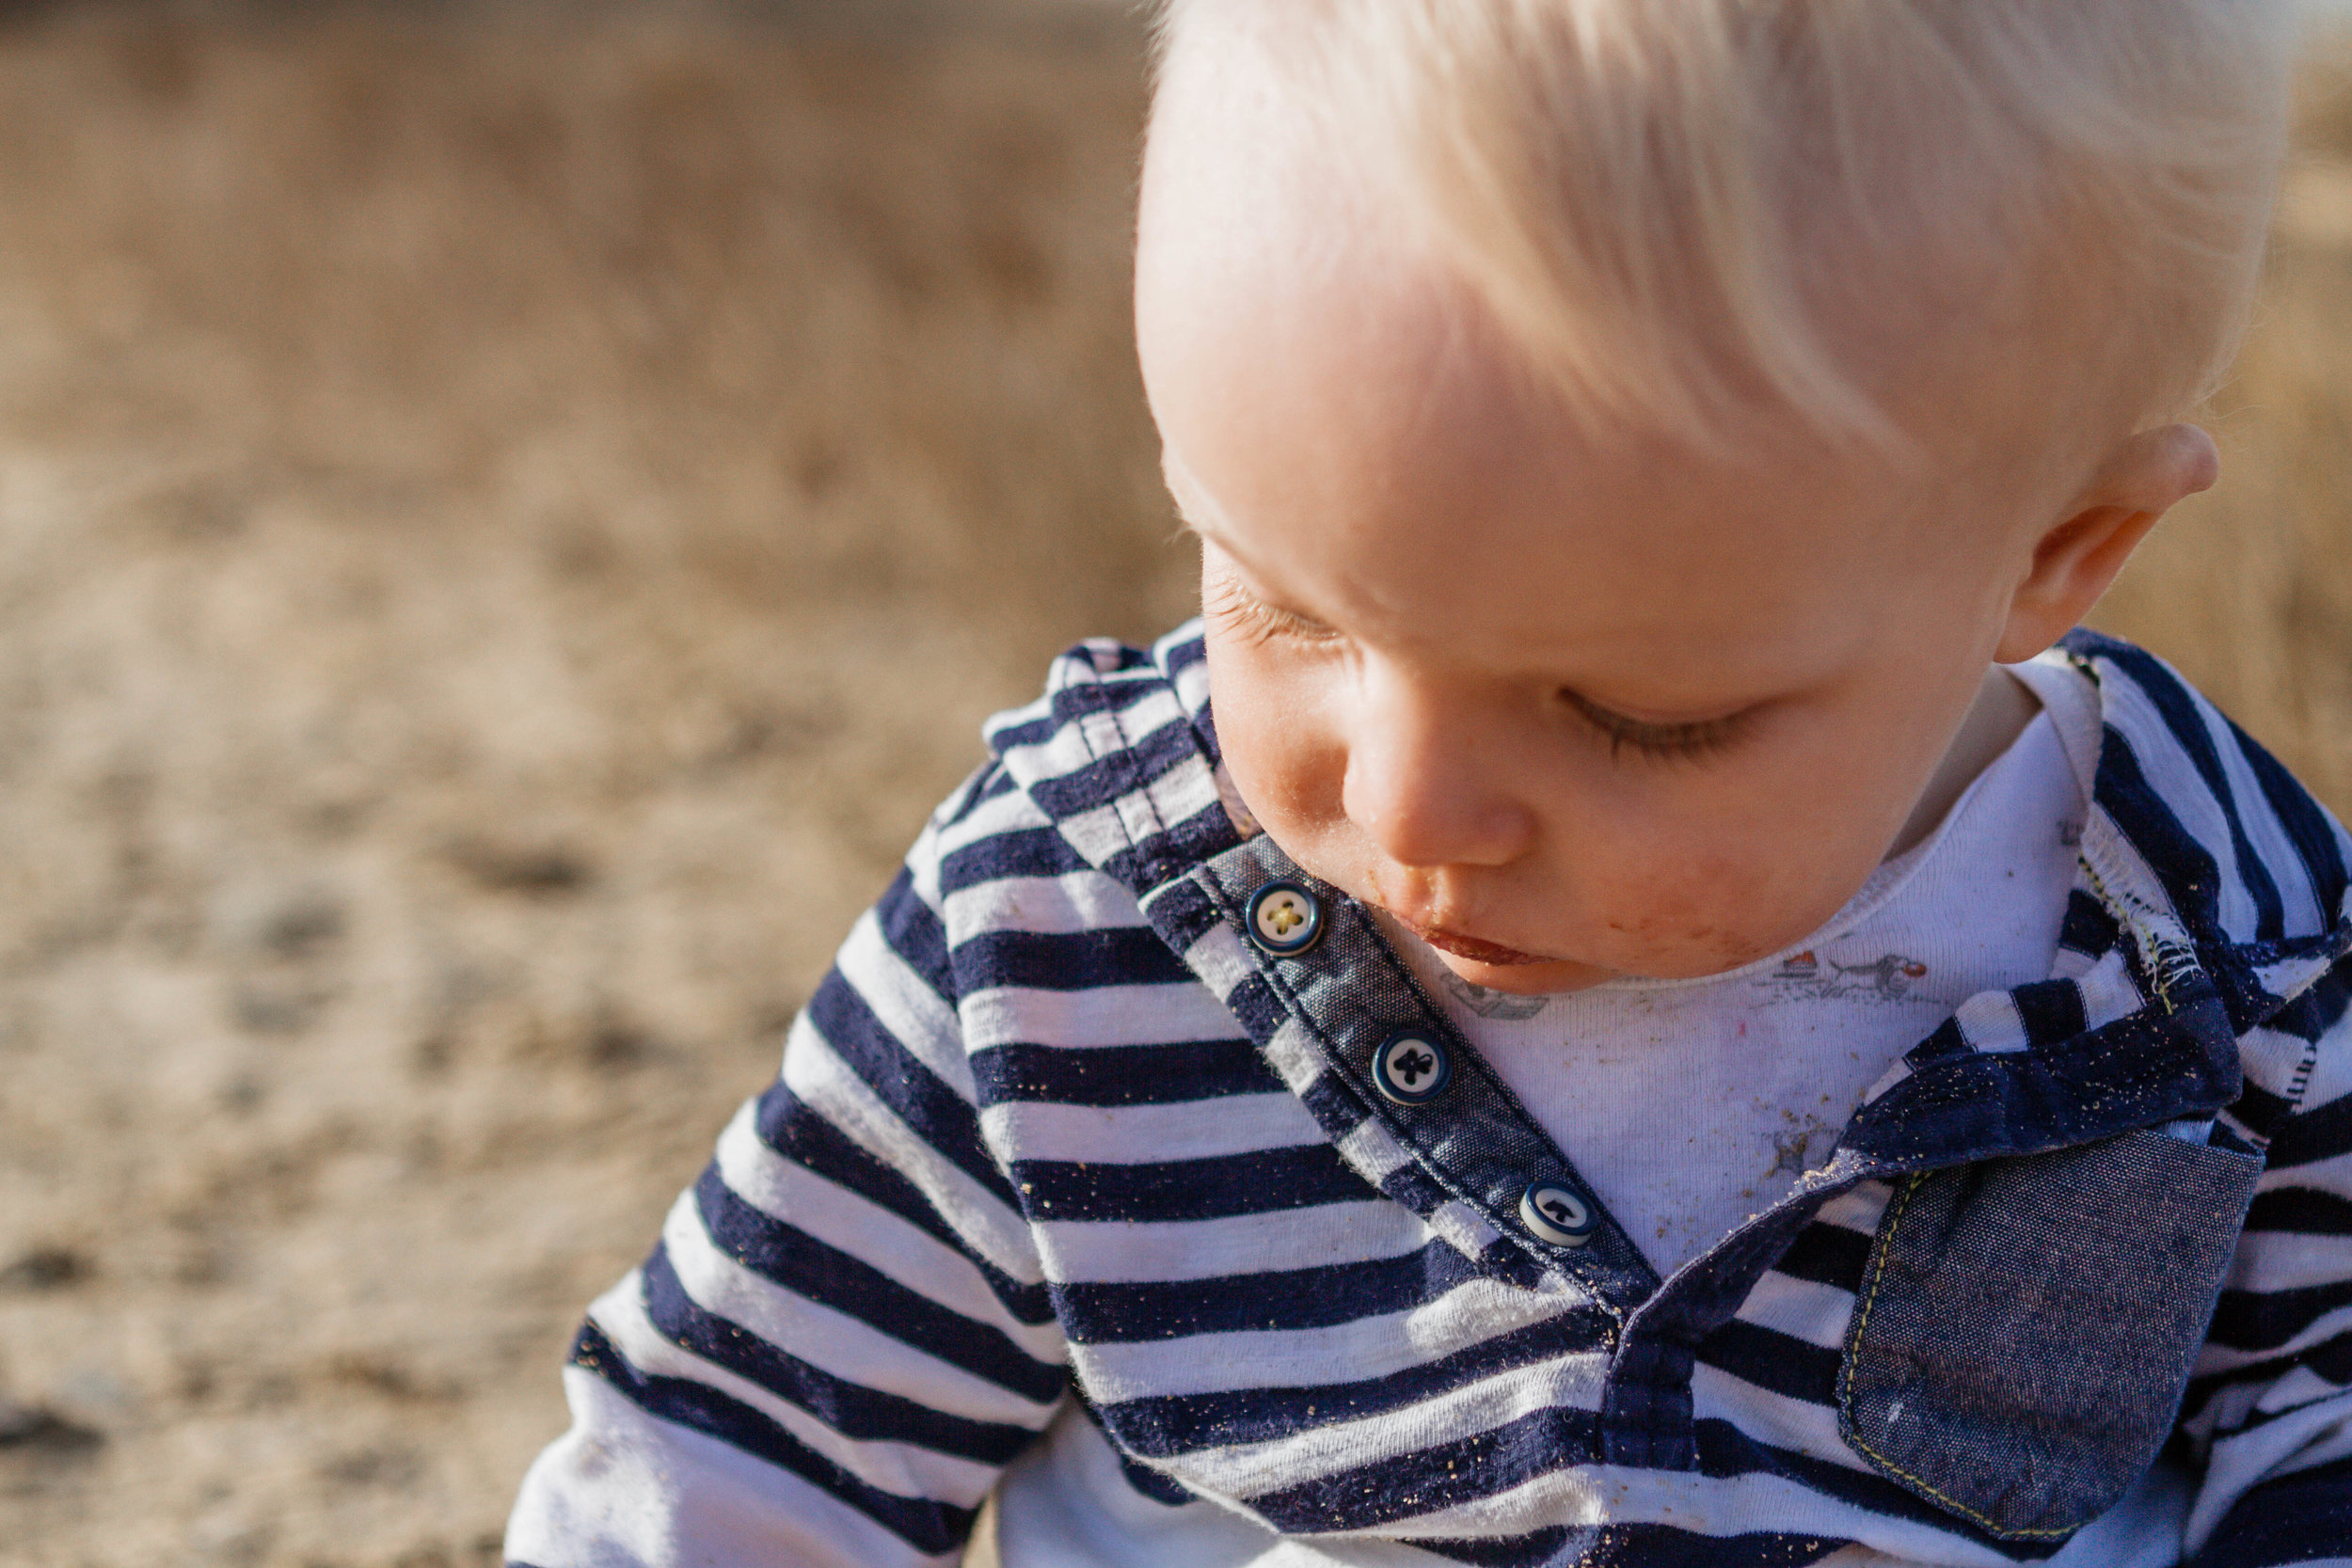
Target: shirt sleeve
column 843, row 1333
column 2270, row 1403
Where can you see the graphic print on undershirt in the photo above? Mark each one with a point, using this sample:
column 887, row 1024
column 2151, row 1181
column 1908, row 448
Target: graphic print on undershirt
column 1689, row 1105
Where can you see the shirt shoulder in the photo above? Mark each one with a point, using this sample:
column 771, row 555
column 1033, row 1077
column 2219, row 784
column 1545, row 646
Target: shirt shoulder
column 1036, row 868
column 2232, row 847
column 1120, row 755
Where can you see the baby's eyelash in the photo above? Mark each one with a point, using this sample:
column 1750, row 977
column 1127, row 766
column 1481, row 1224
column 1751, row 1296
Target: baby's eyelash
column 1682, row 742
column 1239, row 604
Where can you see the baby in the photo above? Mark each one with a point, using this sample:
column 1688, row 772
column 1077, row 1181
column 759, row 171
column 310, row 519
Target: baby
column 1631, row 994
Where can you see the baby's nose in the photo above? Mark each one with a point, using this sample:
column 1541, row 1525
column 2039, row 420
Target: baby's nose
column 1420, row 782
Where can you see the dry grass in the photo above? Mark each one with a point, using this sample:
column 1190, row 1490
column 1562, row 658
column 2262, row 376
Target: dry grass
column 508, row 517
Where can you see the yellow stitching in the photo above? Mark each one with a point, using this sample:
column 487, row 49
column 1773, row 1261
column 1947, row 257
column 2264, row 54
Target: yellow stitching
column 2123, row 917
column 2164, row 961
column 1845, row 1383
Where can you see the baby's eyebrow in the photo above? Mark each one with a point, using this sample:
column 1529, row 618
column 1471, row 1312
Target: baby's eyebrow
column 1199, row 509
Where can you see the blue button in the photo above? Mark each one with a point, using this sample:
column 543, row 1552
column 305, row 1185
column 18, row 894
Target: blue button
column 1285, row 918
column 1411, row 1069
column 1557, row 1214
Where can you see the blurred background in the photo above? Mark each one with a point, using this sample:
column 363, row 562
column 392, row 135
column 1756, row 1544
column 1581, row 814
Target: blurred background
column 510, row 514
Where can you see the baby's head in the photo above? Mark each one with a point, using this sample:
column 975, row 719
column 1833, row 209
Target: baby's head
column 1624, row 433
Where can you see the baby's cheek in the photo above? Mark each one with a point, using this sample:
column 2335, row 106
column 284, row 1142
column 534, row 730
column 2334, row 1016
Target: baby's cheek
column 1703, row 913
column 1283, row 757
column 1288, row 782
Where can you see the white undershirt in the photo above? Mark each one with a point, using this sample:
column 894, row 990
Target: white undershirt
column 1689, row 1105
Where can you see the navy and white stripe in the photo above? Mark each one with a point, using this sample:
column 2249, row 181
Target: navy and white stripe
column 1055, row 1147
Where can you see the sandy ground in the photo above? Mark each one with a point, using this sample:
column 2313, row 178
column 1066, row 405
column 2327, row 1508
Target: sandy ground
column 508, row 518
column 507, row 522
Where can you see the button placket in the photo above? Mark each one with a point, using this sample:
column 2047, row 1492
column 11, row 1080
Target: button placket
column 1366, row 1014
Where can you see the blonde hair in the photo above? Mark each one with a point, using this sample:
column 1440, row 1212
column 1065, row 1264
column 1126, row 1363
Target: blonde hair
column 1687, row 210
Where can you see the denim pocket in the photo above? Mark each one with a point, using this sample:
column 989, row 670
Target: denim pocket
column 2026, row 1326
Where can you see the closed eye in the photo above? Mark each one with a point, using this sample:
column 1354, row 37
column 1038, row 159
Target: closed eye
column 1231, row 601
column 1676, row 742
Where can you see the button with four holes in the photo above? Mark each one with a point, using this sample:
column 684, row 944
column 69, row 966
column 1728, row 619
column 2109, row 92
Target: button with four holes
column 1558, row 1214
column 1285, row 918
column 1411, row 1069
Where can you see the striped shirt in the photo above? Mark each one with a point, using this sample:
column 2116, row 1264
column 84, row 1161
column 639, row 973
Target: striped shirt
column 1095, row 1136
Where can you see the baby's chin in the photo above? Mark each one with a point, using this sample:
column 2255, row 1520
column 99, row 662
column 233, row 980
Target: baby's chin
column 1656, row 948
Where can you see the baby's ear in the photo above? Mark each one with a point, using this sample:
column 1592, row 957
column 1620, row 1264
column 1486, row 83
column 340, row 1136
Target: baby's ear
column 2080, row 554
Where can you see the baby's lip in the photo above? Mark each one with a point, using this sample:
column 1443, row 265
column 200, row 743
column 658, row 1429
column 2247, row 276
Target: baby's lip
column 1473, row 948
